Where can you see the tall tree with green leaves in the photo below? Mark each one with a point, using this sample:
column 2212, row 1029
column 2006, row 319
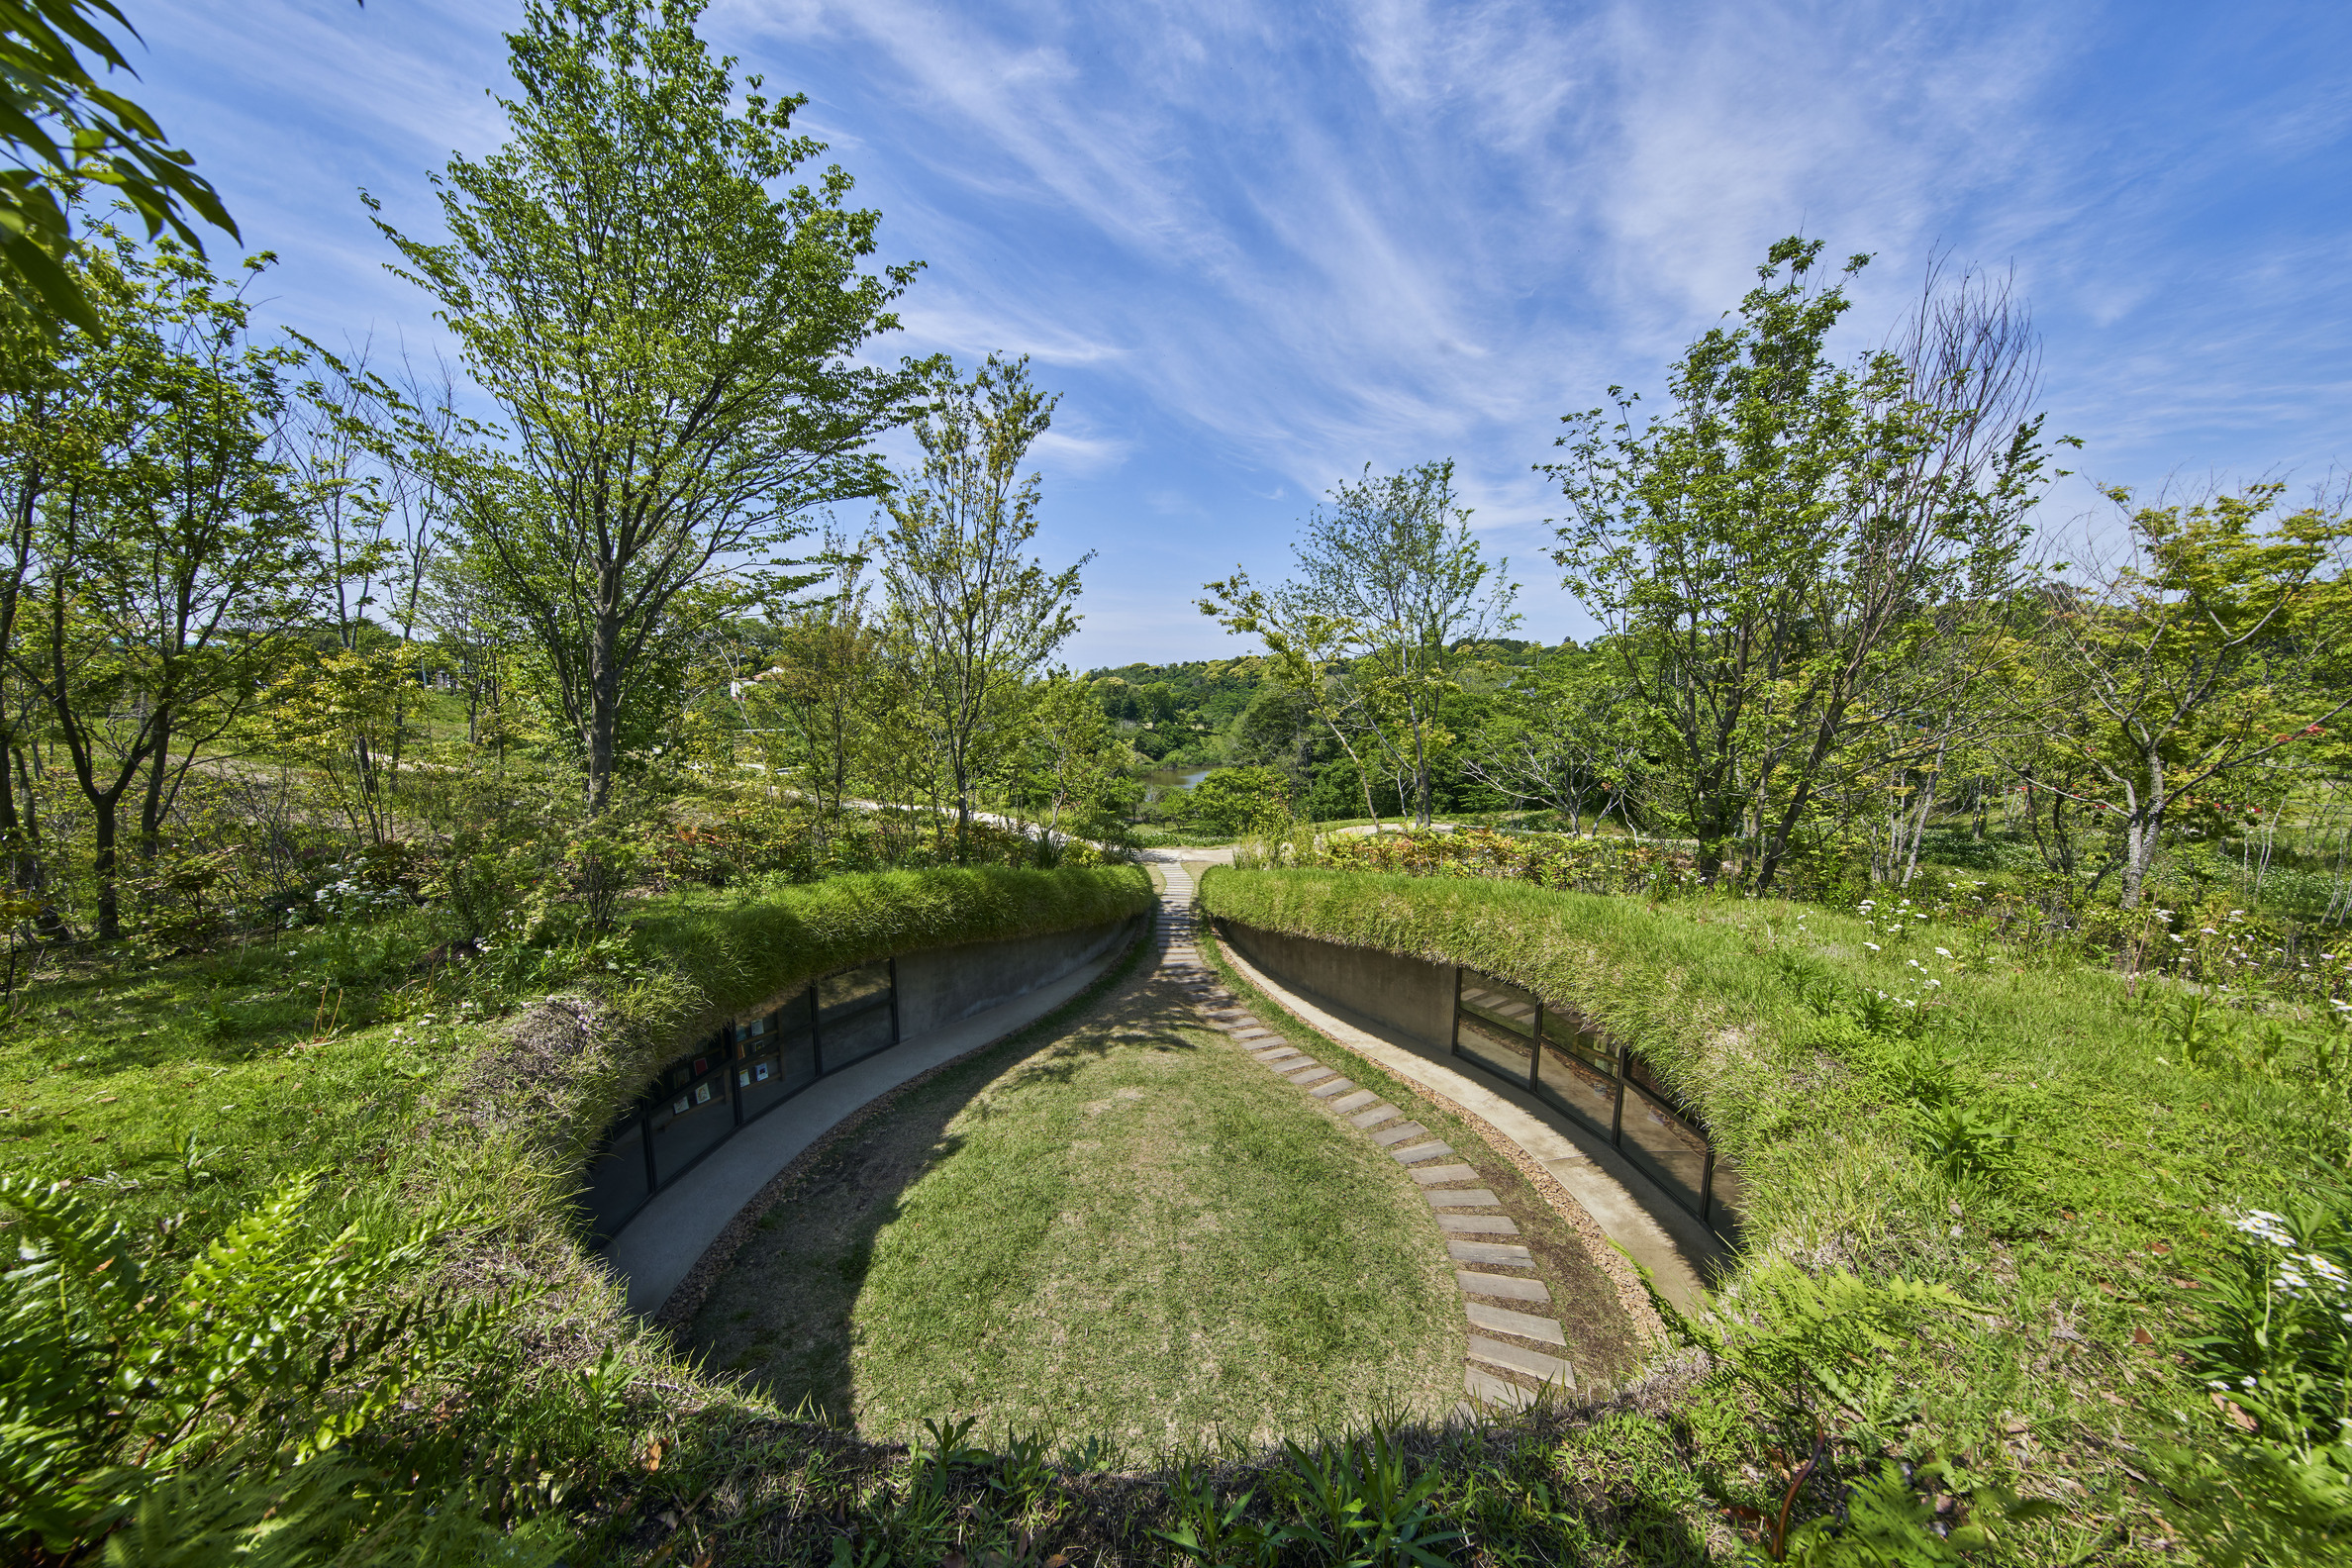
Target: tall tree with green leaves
column 1792, row 530
column 972, row 618
column 675, row 345
column 1386, row 584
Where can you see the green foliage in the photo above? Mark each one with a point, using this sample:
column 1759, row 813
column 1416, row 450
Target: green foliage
column 675, row 349
column 210, row 1413
column 1238, row 801
column 971, row 620
column 1793, row 542
column 63, row 132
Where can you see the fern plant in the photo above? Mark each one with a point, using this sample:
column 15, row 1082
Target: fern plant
column 141, row 1415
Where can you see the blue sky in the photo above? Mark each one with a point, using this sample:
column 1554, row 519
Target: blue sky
column 1258, row 245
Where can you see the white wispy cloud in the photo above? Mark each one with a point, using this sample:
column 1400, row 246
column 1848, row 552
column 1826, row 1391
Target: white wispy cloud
column 1258, row 244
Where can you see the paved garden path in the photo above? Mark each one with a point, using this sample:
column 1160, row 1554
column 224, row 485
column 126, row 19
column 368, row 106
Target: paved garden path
column 1515, row 1347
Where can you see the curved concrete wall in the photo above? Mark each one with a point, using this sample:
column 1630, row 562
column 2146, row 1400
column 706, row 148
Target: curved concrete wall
column 949, row 1001
column 1410, row 995
column 1412, row 1002
column 940, row 986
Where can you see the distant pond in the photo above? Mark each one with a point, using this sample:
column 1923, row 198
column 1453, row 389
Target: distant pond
column 1160, row 781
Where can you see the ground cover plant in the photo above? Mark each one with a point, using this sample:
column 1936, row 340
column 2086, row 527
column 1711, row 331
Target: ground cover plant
column 1993, row 1225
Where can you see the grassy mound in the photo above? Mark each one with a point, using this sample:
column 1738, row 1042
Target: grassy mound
column 181, row 1100
column 1986, row 1207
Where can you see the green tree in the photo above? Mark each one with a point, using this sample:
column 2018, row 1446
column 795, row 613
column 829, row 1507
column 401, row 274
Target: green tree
column 167, row 558
column 972, row 619
column 1386, row 584
column 1074, row 763
column 1766, row 553
column 1566, row 734
column 1238, row 800
column 674, row 347
column 827, row 675
column 2216, row 647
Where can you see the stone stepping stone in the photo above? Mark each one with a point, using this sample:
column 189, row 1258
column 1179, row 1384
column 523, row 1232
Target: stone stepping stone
column 1432, row 1175
column 1317, row 1076
column 1294, row 1058
column 1508, row 1286
column 1302, row 1065
column 1418, row 1153
column 1462, row 1198
column 1356, row 1102
column 1255, row 1035
column 1537, row 1365
column 1488, row 1389
column 1399, row 1134
column 1501, row 1319
column 1372, row 1115
column 1504, row 1252
column 1335, row 1085
column 1477, row 1224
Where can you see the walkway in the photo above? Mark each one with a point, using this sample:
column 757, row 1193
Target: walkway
column 1513, row 1350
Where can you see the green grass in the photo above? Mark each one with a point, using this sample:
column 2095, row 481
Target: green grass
column 2123, row 1172
column 1131, row 1233
column 1607, row 1346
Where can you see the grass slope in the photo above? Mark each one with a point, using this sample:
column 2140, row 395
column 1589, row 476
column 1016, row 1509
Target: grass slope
column 1130, row 1233
column 2077, row 1250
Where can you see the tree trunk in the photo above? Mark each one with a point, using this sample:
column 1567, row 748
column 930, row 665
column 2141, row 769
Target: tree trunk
column 150, row 806
column 103, row 863
column 604, row 709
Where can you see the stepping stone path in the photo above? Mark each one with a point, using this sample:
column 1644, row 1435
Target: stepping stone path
column 1511, row 1347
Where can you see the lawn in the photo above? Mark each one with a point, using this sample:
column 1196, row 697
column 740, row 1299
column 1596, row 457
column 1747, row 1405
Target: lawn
column 1131, row 1233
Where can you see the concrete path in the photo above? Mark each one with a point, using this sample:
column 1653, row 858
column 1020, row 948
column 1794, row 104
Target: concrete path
column 657, row 1249
column 1510, row 1347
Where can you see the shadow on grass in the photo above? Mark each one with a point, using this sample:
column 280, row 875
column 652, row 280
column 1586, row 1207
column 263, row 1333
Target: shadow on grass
column 780, row 1317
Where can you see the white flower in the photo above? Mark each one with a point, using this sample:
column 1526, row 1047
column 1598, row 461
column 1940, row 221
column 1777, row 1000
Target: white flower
column 2268, row 1227
column 1873, row 947
column 2207, row 931
column 1935, row 982
column 1943, row 952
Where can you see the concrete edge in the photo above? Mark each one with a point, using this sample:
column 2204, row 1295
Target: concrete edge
column 1679, row 1251
column 667, row 1240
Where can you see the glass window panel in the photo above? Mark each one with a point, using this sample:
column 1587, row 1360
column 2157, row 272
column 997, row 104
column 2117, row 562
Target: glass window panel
column 1567, row 1080
column 687, row 1122
column 617, row 1180
column 1666, row 1148
column 855, row 1038
column 1499, row 1003
column 770, row 1076
column 1498, row 1050
column 839, row 995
